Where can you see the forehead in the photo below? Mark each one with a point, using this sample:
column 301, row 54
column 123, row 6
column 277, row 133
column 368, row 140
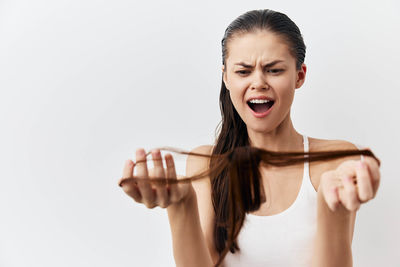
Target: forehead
column 258, row 46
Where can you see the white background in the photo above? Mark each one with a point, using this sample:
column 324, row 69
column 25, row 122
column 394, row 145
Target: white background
column 84, row 83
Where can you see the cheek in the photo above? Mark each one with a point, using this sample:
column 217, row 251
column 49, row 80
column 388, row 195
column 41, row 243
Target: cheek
column 238, row 89
column 284, row 86
column 283, row 81
column 235, row 98
column 239, row 84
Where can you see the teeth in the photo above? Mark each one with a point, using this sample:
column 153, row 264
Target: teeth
column 259, row 101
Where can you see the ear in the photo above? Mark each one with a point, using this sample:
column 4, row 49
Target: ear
column 301, row 76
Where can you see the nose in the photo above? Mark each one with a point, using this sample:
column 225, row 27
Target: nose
column 259, row 81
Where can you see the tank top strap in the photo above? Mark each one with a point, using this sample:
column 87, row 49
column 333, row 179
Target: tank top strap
column 264, row 239
column 306, row 149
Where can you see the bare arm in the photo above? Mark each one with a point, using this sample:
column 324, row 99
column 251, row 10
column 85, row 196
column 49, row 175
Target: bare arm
column 332, row 246
column 187, row 220
column 190, row 248
column 189, row 245
column 340, row 193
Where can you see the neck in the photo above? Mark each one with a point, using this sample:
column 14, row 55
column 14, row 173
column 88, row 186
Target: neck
column 283, row 138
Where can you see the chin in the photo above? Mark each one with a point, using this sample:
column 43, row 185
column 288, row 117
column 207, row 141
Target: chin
column 262, row 129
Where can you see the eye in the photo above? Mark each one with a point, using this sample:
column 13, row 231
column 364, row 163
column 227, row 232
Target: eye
column 274, row 71
column 242, row 72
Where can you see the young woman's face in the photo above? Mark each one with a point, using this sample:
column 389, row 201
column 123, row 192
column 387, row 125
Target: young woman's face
column 260, row 65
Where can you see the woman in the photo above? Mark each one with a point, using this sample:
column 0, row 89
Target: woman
column 309, row 217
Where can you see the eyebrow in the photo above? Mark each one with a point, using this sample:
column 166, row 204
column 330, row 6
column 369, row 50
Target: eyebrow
column 250, row 66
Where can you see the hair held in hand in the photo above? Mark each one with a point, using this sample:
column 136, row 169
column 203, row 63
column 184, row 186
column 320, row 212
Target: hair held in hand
column 234, row 165
column 236, row 183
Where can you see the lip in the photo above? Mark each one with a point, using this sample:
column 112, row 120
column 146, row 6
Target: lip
column 262, row 97
column 261, row 115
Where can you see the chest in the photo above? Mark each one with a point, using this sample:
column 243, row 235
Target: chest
column 282, row 186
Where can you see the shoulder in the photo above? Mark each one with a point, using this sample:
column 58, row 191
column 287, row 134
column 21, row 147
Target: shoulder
column 195, row 164
column 319, row 167
column 203, row 149
column 333, row 145
column 326, row 143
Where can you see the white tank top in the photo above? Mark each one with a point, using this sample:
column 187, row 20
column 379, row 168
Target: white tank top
column 281, row 240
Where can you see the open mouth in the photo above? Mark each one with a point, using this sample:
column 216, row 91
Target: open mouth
column 260, row 107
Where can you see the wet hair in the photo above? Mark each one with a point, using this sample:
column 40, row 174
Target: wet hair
column 271, row 21
column 234, row 164
column 233, row 130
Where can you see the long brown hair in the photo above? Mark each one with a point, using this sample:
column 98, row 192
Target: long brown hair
column 236, row 183
column 233, row 130
column 234, row 164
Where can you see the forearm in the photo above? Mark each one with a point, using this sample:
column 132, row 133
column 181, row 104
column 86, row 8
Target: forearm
column 189, row 245
column 332, row 245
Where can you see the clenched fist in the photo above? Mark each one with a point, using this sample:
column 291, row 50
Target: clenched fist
column 352, row 183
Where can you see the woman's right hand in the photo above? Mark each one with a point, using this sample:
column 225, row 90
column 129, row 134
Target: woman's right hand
column 157, row 194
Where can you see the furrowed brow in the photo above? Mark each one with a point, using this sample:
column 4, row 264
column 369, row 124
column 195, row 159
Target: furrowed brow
column 266, row 66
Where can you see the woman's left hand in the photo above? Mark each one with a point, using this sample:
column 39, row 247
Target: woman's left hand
column 352, row 183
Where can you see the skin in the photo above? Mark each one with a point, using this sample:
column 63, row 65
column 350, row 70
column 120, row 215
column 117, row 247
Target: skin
column 275, row 131
column 342, row 185
column 153, row 195
column 351, row 184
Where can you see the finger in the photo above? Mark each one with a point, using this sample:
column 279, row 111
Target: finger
column 130, row 187
column 330, row 192
column 127, row 171
column 335, row 197
column 143, row 183
column 370, row 158
column 348, row 195
column 161, row 190
column 373, row 168
column 364, row 182
column 173, row 191
column 348, row 168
